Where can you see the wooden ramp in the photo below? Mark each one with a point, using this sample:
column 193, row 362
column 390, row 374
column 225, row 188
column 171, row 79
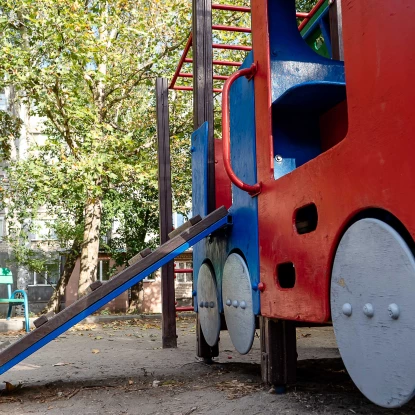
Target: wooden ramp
column 102, row 294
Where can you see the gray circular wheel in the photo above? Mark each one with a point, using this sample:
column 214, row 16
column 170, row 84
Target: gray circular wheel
column 207, row 298
column 373, row 311
column 237, row 303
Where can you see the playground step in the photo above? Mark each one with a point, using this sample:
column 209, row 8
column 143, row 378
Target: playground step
column 90, row 303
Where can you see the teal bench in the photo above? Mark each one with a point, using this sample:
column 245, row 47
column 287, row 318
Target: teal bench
column 6, row 277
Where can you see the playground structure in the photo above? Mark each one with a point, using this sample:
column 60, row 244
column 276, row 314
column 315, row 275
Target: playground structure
column 314, row 168
column 305, row 200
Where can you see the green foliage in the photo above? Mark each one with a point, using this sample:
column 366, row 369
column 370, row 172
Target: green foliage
column 9, row 131
column 87, row 69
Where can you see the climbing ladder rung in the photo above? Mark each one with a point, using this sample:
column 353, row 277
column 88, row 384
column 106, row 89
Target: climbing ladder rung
column 185, row 226
column 142, row 254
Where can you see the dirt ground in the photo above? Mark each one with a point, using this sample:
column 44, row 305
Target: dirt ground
column 120, row 368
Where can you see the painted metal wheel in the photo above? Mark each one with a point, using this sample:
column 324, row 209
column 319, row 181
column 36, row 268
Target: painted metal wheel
column 237, row 303
column 208, row 309
column 373, row 311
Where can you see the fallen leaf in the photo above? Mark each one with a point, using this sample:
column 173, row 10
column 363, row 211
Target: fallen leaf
column 62, row 364
column 95, row 351
column 98, row 338
column 130, row 382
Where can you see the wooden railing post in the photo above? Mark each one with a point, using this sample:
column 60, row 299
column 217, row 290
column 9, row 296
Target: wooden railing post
column 169, row 337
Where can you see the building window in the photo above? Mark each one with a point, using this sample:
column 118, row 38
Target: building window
column 184, row 277
column 3, row 101
column 49, row 277
column 103, row 269
column 43, row 230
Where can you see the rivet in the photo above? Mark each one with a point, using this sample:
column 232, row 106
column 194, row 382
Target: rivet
column 228, row 302
column 201, row 304
column 278, row 158
column 347, row 309
column 394, row 311
column 192, row 149
column 261, row 286
column 368, row 310
column 206, row 304
column 212, row 304
column 194, row 293
column 243, row 305
column 235, row 303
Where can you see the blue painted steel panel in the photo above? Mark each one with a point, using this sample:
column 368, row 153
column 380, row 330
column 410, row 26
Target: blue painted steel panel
column 96, row 306
column 296, row 109
column 243, row 235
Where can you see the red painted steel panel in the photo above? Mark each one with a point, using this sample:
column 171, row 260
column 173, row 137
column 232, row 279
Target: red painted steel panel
column 222, row 182
column 371, row 167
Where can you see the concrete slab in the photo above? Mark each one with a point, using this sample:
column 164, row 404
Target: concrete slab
column 14, row 324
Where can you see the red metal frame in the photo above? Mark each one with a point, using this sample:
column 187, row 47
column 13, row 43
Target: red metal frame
column 251, row 189
column 183, row 270
column 215, row 62
column 231, row 8
column 231, row 47
column 305, row 16
column 181, row 61
column 183, row 308
column 190, row 88
column 231, row 28
column 190, row 75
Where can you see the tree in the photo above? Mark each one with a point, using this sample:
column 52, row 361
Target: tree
column 87, row 68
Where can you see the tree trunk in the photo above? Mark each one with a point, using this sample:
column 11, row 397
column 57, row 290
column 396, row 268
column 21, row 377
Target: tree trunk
column 137, row 296
column 55, row 300
column 90, row 246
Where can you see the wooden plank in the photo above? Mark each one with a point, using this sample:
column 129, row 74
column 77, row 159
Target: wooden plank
column 185, row 226
column 336, row 30
column 43, row 319
column 168, row 308
column 203, row 84
column 81, row 304
column 142, row 254
column 278, row 351
column 95, row 285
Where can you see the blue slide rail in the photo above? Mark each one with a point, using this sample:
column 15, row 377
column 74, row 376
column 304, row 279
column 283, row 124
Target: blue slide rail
column 113, row 294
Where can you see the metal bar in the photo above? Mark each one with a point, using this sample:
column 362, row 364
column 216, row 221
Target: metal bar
column 168, row 327
column 181, row 309
column 255, row 189
column 231, row 28
column 301, row 15
column 311, row 14
column 217, row 77
column 183, row 270
column 215, row 62
column 231, row 47
column 181, row 61
column 190, row 88
column 231, row 8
